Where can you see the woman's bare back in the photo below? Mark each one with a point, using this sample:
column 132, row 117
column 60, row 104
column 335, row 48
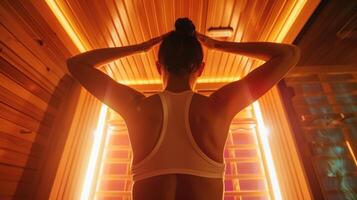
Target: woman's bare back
column 210, row 117
column 206, row 126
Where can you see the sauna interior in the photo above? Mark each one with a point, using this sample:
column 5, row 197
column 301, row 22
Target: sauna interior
column 57, row 141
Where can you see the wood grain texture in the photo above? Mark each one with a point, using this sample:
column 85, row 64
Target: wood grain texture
column 32, row 70
column 320, row 42
column 112, row 23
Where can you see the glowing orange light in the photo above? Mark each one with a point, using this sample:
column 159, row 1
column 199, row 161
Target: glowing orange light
column 66, row 24
column 290, row 19
column 351, row 152
column 98, row 133
column 263, row 135
column 97, row 141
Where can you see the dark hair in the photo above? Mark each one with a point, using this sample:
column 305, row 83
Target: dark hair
column 180, row 51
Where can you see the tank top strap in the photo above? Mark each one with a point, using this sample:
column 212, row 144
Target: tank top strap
column 162, row 132
column 176, row 151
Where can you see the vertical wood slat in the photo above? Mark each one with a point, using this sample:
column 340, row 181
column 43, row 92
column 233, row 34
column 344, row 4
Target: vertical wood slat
column 290, row 174
column 23, row 93
column 121, row 63
column 138, row 20
column 12, row 44
column 73, row 146
column 47, row 172
column 79, row 138
column 9, row 128
column 26, row 82
column 40, row 27
column 15, row 144
column 31, row 91
column 26, row 68
column 76, row 185
column 12, row 100
column 13, row 23
column 141, row 37
column 76, row 157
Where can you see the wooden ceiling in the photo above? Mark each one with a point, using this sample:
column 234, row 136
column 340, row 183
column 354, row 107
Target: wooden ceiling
column 330, row 35
column 112, row 23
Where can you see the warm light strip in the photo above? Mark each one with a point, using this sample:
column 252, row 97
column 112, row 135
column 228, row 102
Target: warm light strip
column 263, row 131
column 65, row 24
column 98, row 134
column 200, row 80
column 263, row 135
column 101, row 168
column 290, row 20
column 351, row 152
column 97, row 141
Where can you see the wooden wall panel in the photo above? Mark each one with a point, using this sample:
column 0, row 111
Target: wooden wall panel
column 33, row 87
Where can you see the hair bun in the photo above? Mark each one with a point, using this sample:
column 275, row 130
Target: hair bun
column 184, row 27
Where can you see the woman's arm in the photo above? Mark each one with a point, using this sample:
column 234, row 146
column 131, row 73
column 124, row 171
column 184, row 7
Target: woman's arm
column 259, row 50
column 235, row 96
column 119, row 97
column 99, row 57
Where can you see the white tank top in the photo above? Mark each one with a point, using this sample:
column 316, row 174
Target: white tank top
column 176, row 151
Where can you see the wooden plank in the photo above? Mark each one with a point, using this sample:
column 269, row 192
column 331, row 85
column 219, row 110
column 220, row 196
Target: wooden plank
column 11, row 99
column 10, row 20
column 15, row 174
column 304, row 109
column 6, row 197
column 141, row 59
column 322, row 69
column 26, row 55
column 27, row 83
column 123, row 63
column 18, row 159
column 241, row 36
column 40, row 26
column 10, row 128
column 7, row 188
column 314, row 78
column 200, row 87
column 45, row 11
column 16, row 60
column 24, row 94
column 129, row 34
column 319, row 92
column 23, row 120
column 58, row 139
column 12, row 143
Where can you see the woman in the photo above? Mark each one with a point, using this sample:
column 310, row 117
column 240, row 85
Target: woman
column 177, row 135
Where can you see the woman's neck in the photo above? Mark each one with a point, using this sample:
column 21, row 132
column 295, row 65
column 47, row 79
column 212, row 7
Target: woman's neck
column 178, row 84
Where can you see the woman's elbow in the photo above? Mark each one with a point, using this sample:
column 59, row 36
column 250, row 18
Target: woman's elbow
column 72, row 65
column 295, row 50
column 295, row 53
column 292, row 52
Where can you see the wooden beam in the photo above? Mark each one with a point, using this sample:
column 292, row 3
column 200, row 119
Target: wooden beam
column 322, row 69
column 297, row 71
column 200, row 87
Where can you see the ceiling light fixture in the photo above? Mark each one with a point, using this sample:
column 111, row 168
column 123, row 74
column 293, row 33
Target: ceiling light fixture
column 220, row 32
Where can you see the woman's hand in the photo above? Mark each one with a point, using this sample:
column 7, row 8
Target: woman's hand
column 146, row 46
column 207, row 41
